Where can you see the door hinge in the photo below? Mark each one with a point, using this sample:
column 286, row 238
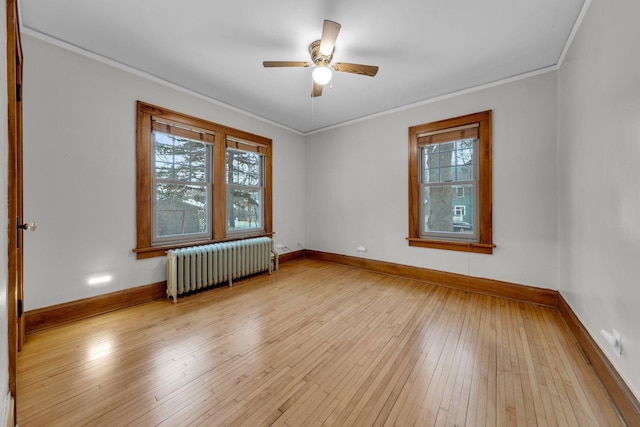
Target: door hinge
column 20, row 308
column 19, row 92
column 17, row 232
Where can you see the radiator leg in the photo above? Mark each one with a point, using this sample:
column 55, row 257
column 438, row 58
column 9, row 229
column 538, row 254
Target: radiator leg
column 172, row 280
column 173, row 293
column 273, row 265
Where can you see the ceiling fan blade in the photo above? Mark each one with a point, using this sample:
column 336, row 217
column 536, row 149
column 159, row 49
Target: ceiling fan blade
column 316, row 90
column 365, row 70
column 286, row 64
column 330, row 32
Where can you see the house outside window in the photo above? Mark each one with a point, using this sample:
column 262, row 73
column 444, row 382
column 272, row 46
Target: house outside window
column 458, row 213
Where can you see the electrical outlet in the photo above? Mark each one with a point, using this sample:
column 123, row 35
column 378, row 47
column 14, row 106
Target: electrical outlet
column 614, row 340
column 618, row 345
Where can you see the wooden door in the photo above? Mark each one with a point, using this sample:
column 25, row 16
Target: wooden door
column 15, row 232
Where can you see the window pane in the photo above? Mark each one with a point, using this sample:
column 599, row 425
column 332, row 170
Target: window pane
column 448, row 174
column 464, row 152
column 430, row 170
column 464, row 173
column 448, row 161
column 179, row 159
column 448, row 209
column 431, row 175
column 244, row 168
column 244, row 208
column 181, row 209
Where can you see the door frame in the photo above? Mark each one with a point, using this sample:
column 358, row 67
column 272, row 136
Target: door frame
column 15, row 200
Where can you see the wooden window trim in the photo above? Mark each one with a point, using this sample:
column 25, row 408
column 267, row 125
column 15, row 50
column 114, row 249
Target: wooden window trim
column 485, row 231
column 144, row 248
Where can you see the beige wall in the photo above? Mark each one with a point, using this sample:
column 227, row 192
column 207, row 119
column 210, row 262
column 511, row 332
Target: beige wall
column 79, row 172
column 357, row 185
column 599, row 178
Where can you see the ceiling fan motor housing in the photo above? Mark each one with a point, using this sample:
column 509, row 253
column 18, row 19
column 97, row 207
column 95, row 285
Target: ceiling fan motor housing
column 316, row 57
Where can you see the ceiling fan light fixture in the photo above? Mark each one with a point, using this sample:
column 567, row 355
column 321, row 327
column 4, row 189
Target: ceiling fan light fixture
column 322, row 75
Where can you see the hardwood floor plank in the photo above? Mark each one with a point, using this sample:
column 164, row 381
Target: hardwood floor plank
column 477, row 406
column 535, row 414
column 525, row 413
column 434, row 400
column 457, row 408
column 314, row 344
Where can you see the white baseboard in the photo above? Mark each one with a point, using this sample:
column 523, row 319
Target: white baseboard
column 9, row 416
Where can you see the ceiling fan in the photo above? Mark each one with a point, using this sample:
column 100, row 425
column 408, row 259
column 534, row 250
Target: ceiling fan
column 321, row 52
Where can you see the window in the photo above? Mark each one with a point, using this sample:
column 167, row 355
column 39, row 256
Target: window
column 245, row 187
column 181, row 185
column 198, row 182
column 450, row 184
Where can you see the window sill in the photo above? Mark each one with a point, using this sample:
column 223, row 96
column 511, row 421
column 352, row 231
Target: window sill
column 157, row 251
column 480, row 248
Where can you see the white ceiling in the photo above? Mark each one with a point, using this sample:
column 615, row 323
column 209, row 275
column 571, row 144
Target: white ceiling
column 424, row 48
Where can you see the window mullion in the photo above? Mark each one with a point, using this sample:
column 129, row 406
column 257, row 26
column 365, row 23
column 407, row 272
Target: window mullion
column 448, row 183
column 219, row 188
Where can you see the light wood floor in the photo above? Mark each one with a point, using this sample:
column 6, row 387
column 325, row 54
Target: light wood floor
column 313, row 344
